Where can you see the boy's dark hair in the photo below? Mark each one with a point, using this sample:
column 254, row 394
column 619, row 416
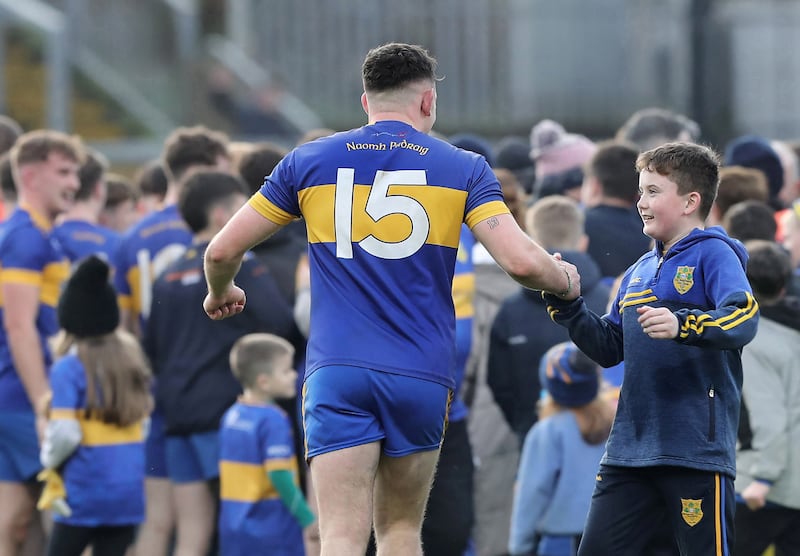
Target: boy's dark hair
column 750, row 220
column 692, row 167
column 769, row 269
column 255, row 354
column 91, row 171
column 394, row 65
column 151, row 179
column 202, row 191
column 259, row 163
column 10, row 130
column 614, row 166
column 737, row 184
column 7, row 184
column 192, row 146
column 118, row 190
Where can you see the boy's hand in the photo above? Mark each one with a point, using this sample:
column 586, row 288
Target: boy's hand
column 658, row 322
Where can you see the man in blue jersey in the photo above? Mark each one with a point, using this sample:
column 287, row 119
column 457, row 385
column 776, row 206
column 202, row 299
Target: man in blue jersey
column 79, row 231
column 155, row 242
column 32, row 269
column 383, row 206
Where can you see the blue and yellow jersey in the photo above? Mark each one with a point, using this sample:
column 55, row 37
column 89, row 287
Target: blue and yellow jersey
column 29, row 255
column 464, row 302
column 144, row 253
column 79, row 239
column 254, row 440
column 104, row 477
column 383, row 206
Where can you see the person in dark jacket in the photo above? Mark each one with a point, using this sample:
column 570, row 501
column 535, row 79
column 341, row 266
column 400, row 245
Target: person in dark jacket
column 189, row 354
column 521, row 331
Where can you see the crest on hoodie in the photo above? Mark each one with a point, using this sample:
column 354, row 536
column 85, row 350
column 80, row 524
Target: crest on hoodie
column 691, row 511
column 684, row 279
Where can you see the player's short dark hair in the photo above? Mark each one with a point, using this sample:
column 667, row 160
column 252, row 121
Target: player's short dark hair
column 769, row 268
column 10, row 130
column 394, row 65
column 693, row 168
column 202, row 191
column 91, row 171
column 750, row 220
column 192, row 146
column 614, row 166
column 118, row 190
column 7, row 184
column 256, row 354
column 151, row 179
column 258, row 163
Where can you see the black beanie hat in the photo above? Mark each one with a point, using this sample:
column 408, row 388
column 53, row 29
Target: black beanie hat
column 88, row 304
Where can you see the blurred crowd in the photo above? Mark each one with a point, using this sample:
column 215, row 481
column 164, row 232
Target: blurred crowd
column 510, row 479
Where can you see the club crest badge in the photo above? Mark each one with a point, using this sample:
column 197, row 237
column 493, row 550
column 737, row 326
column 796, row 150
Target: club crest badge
column 684, row 279
column 691, row 511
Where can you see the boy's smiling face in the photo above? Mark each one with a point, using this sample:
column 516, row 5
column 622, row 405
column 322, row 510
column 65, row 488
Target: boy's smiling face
column 666, row 214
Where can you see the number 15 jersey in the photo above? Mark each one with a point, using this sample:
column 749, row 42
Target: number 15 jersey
column 383, row 206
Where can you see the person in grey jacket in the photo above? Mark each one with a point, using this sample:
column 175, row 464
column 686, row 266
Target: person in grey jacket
column 768, row 458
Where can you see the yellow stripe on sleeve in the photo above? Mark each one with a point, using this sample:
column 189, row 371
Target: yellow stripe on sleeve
column 53, row 277
column 265, row 208
column 486, row 210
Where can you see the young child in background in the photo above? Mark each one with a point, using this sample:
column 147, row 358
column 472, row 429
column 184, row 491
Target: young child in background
column 560, row 456
column 94, row 439
column 263, row 510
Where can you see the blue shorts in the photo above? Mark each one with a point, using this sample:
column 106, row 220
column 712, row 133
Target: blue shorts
column 155, row 448
column 345, row 406
column 19, row 447
column 193, row 458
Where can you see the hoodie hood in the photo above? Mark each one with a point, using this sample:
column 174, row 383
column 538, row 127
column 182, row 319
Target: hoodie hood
column 697, row 235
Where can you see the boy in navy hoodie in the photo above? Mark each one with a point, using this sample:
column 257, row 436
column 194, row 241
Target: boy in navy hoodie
column 681, row 317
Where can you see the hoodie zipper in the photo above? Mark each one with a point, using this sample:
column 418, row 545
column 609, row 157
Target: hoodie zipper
column 712, row 418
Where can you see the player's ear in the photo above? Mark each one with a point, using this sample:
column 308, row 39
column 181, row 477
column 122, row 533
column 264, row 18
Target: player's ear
column 428, row 100
column 364, row 102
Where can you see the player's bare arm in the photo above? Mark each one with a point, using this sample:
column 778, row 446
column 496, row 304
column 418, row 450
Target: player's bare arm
column 524, row 260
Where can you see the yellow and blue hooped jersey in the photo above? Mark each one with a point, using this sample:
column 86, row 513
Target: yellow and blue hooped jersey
column 254, row 440
column 104, row 477
column 29, row 255
column 146, row 250
column 383, row 206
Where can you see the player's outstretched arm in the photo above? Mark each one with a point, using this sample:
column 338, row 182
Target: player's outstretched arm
column 526, row 261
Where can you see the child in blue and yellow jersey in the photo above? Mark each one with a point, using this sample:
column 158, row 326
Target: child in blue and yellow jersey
column 680, row 319
column 93, row 448
column 263, row 510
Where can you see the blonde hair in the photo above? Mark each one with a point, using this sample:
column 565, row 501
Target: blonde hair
column 36, row 146
column 256, row 354
column 556, row 222
column 117, row 376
